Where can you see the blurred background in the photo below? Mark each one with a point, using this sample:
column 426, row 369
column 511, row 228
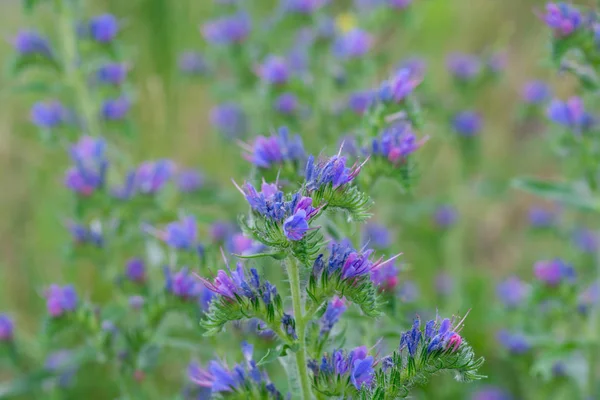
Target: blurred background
column 491, row 238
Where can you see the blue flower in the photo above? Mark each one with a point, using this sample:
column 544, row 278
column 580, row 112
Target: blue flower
column 399, row 86
column 536, row 92
column 192, row 63
column 89, row 172
column 83, row 234
column 104, row 28
column 541, row 217
column 182, row 284
column 376, row 235
column 135, row 270
column 467, row 123
column 277, row 149
column 515, row 343
column 303, row 6
column 115, row 109
column 6, row 328
column 332, row 171
column 112, row 73
column 570, row 114
column 396, row 143
column 48, row 114
column 491, row 393
column 359, row 102
column 463, row 67
column 286, row 103
column 352, row 44
column 182, row 235
column 512, row 291
column 274, row 70
column 335, row 309
column 586, row 240
column 362, row 373
column 30, row 43
column 149, row 178
column 227, row 30
column 61, row 300
column 445, row 216
column 189, row 180
column 296, row 226
column 562, row 18
column 553, row 272
column 229, row 119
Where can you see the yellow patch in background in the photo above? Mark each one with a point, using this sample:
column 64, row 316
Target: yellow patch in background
column 345, row 22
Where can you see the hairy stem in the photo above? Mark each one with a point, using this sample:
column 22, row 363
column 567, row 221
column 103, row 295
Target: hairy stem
column 74, row 77
column 301, row 365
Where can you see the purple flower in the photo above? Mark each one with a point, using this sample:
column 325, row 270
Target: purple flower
column 512, row 291
column 182, row 235
column 376, row 235
column 553, row 272
column 112, row 73
column 399, row 4
column 286, row 103
column 463, row 67
column 562, row 18
column 467, row 123
column 359, row 102
column 536, row 92
column 514, row 343
column 31, row 43
column 335, row 309
column 497, row 62
column 182, row 284
column 6, row 328
column 148, row 179
column 135, row 270
column 136, row 302
column 61, row 300
column 541, row 217
column 586, row 240
column 220, row 230
column 192, row 63
column 445, row 216
column 276, row 150
column 408, row 292
column 115, row 109
column 332, row 171
column 48, row 115
column 61, row 361
column 240, row 244
column 385, row 277
column 89, row 171
column 352, row 44
column 396, row 143
column 438, row 336
column 104, row 28
column 491, row 393
column 399, row 86
column 362, row 373
column 296, row 226
column 570, row 114
column 227, row 30
column 229, row 119
column 189, row 180
column 303, row 6
column 274, row 70
column 83, row 234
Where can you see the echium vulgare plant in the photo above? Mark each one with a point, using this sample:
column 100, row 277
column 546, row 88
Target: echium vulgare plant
column 564, row 288
column 140, row 232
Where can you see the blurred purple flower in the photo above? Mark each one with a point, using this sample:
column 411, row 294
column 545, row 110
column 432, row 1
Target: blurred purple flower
column 445, row 216
column 335, row 309
column 229, row 119
column 514, row 343
column 219, row 231
column 571, row 114
column 553, row 272
column 89, row 171
column 491, row 393
column 238, row 243
column 48, row 114
column 115, row 109
column 227, row 30
column 148, row 179
column 61, row 362
column 189, row 180
column 444, row 284
column 541, row 218
column 182, row 284
column 463, row 67
column 30, row 43
column 352, row 44
column 303, row 6
column 135, row 270
column 467, row 123
column 82, row 234
column 399, row 86
column 536, row 92
column 562, row 18
column 332, row 171
column 416, row 65
column 182, row 235
column 136, row 302
column 112, row 73
column 6, row 328
column 275, row 150
column 286, row 103
column 359, row 102
column 396, row 143
column 376, row 235
column 192, row 63
column 274, row 70
column 104, row 28
column 497, row 62
column 589, row 298
column 385, row 277
column 408, row 292
column 586, row 240
column 512, row 291
column 60, row 300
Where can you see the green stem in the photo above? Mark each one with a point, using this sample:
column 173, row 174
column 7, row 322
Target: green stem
column 301, row 365
column 73, row 75
column 593, row 329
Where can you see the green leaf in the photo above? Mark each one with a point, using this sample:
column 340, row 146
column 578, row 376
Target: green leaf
column 564, row 193
column 278, row 255
column 29, row 5
column 272, row 355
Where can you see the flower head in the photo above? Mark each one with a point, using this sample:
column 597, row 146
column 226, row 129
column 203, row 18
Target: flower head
column 238, row 243
column 535, row 92
column 136, row 302
column 512, row 291
column 192, row 63
column 438, row 336
column 182, row 235
column 386, row 277
column 553, row 272
column 445, row 216
column 562, row 18
column 396, row 143
column 6, row 328
column 352, row 44
column 359, row 102
column 399, row 86
column 491, row 393
column 182, row 284
column 115, row 109
column 48, row 114
column 148, row 179
column 61, row 300
column 467, row 123
column 286, row 103
column 227, row 30
column 276, row 150
column 514, row 343
column 355, row 367
column 586, row 240
column 104, row 28
column 589, row 298
column 303, row 6
column 376, row 235
column 541, row 217
column 463, row 67
column 135, row 270
column 83, row 234
column 570, row 114
column 332, row 171
column 296, row 226
column 31, row 43
column 408, row 292
column 274, row 70
column 89, row 171
column 112, row 73
column 189, row 180
column 229, row 119
column 335, row 309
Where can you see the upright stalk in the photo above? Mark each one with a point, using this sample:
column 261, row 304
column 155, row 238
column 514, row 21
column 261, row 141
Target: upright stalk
column 73, row 75
column 593, row 329
column 301, row 365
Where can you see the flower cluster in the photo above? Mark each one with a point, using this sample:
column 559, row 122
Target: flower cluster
column 276, row 150
column 343, row 373
column 61, row 300
column 89, row 172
